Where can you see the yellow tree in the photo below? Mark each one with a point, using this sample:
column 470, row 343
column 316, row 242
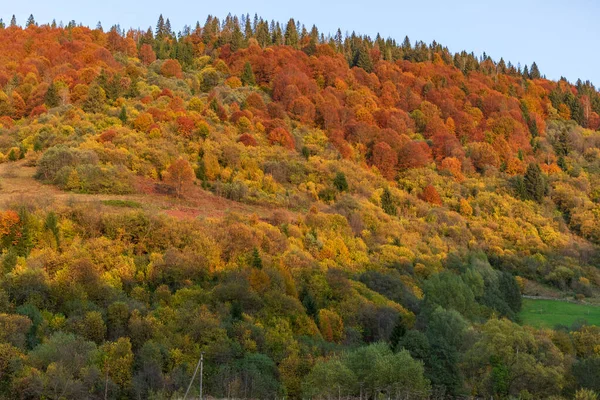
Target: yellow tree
column 180, row 175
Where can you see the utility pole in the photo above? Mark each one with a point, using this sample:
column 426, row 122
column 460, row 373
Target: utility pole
column 201, row 372
column 199, row 365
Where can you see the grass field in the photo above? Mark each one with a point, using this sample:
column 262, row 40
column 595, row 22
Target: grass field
column 549, row 313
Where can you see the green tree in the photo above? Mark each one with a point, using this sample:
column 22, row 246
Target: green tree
column 329, row 379
column 51, row 224
column 535, row 72
column 340, row 182
column 123, row 115
column 256, row 260
column 362, row 59
column 52, row 99
column 247, row 77
column 387, row 203
column 291, row 34
column 535, row 183
column 30, row 21
column 95, row 99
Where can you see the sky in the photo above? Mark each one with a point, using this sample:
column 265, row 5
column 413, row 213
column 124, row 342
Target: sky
column 562, row 37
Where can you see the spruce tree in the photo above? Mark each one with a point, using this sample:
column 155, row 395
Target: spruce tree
column 247, row 77
column 256, row 260
column 397, row 334
column 340, row 182
column 160, row 26
column 52, row 99
column 535, row 72
column 1, row 23
column 535, row 183
column 363, row 59
column 123, row 115
column 30, row 21
column 291, row 34
column 387, row 203
column 13, row 21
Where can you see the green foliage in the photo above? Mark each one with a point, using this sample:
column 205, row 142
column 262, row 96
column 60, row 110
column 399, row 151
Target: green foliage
column 536, row 184
column 247, row 76
column 340, row 182
column 387, row 203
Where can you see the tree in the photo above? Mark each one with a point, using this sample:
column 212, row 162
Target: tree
column 387, row 203
column 431, row 195
column 535, row 72
column 13, row 21
column 329, row 379
column 256, row 260
column 247, row 77
column 30, row 21
column 291, row 34
column 340, row 182
column 52, row 99
column 385, row 159
column 123, row 114
column 362, row 59
column 535, row 183
column 147, row 54
column 180, row 175
column 95, row 100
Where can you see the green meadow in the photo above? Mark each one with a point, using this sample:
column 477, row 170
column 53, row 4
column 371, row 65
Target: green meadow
column 549, row 313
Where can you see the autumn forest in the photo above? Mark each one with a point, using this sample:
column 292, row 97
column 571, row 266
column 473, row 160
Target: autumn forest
column 321, row 215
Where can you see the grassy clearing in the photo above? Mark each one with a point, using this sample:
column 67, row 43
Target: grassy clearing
column 122, row 203
column 549, row 313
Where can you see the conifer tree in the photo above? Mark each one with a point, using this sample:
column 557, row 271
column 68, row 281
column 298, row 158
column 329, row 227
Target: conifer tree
column 363, row 60
column 247, row 77
column 1, row 23
column 535, row 183
column 13, row 21
column 160, row 26
column 291, row 34
column 387, row 203
column 535, row 72
column 123, row 115
column 52, row 99
column 256, row 260
column 340, row 182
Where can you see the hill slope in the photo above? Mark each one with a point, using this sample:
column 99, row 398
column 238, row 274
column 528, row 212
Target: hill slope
column 319, row 216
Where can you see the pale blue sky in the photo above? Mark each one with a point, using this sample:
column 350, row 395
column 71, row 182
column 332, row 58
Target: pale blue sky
column 563, row 37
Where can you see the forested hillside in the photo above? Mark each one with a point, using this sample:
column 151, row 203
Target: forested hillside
column 319, row 215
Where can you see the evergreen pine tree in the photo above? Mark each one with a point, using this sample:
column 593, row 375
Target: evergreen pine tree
column 535, row 72
column 160, row 26
column 340, row 182
column 13, row 21
column 256, row 260
column 52, row 99
column 535, row 183
column 1, row 23
column 526, row 73
column 51, row 224
column 291, row 34
column 247, row 77
column 123, row 115
column 387, row 203
column 397, row 334
column 363, row 60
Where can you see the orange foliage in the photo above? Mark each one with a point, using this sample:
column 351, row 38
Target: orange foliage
column 431, row 195
column 281, row 137
column 171, row 69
